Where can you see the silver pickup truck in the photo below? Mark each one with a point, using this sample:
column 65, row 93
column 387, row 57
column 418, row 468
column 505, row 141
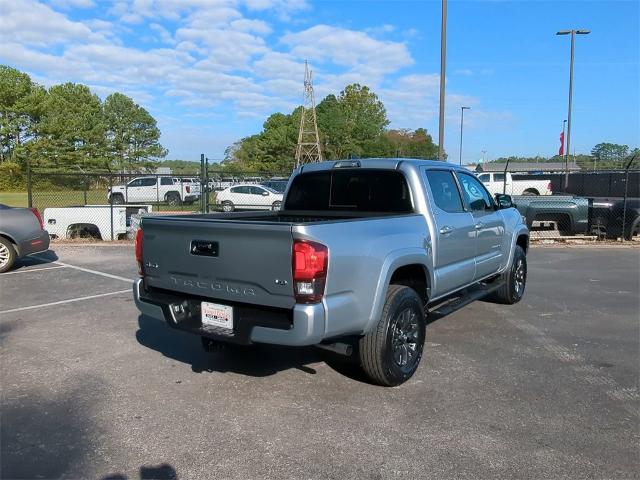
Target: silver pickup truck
column 360, row 254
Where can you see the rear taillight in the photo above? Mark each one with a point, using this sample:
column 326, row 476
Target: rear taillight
column 549, row 186
column 188, row 189
column 310, row 261
column 38, row 216
column 138, row 249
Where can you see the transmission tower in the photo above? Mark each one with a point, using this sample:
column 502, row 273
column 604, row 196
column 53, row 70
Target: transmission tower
column 308, row 148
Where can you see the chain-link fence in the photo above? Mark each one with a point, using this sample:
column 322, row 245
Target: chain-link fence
column 100, row 205
column 601, row 204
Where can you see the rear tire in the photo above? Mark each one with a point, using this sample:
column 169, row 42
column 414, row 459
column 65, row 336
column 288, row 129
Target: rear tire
column 277, row 205
column 8, row 255
column 117, row 199
column 173, row 199
column 531, row 192
column 514, row 280
column 390, row 353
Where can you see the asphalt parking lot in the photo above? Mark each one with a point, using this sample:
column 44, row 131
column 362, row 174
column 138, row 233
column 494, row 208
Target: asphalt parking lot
column 544, row 389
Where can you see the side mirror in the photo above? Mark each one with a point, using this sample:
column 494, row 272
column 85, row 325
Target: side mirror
column 265, row 194
column 503, row 201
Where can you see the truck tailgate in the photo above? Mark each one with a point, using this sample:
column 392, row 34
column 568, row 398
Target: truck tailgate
column 238, row 261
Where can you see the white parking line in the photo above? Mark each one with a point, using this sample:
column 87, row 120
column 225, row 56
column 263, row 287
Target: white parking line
column 34, row 270
column 88, row 270
column 77, row 299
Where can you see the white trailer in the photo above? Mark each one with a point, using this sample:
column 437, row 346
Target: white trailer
column 104, row 222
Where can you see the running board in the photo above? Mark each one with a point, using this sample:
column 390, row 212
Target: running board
column 461, row 299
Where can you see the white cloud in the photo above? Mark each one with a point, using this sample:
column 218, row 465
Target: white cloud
column 67, row 4
column 32, row 23
column 349, row 48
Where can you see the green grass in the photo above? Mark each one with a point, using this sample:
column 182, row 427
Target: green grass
column 70, row 198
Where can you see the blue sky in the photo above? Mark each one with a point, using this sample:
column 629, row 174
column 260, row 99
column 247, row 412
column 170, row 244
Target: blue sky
column 211, row 71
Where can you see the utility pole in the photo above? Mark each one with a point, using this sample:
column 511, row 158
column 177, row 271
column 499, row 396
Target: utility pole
column 573, row 34
column 462, row 109
column 308, row 148
column 443, row 67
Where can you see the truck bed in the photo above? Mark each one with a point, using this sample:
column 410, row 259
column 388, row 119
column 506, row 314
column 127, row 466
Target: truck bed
column 293, row 217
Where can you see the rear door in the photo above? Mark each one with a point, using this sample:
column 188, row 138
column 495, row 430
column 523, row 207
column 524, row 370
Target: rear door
column 148, row 191
column 220, row 259
column 454, row 245
column 488, row 225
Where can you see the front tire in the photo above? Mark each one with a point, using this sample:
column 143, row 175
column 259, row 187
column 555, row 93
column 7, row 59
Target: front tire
column 227, row 206
column 277, row 205
column 513, row 280
column 391, row 352
column 531, row 192
column 8, row 255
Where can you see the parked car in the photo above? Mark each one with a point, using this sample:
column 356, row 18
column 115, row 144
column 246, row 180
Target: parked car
column 91, row 221
column 21, row 233
column 495, row 183
column 569, row 213
column 360, row 252
column 154, row 189
column 606, row 218
column 249, row 197
column 278, row 185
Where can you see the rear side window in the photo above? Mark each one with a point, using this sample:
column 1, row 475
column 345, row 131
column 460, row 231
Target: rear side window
column 498, row 177
column 444, row 190
column 360, row 190
column 166, row 181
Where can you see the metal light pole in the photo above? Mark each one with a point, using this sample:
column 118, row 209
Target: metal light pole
column 462, row 109
column 443, row 66
column 564, row 125
column 573, row 41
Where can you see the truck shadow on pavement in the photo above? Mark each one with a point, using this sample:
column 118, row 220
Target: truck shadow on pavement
column 253, row 360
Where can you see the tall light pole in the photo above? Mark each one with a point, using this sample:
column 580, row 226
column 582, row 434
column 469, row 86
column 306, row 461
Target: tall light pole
column 462, row 109
column 443, row 67
column 573, row 34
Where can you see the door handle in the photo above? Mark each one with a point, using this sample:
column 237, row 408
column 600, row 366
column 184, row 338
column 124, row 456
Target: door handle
column 479, row 225
column 446, row 230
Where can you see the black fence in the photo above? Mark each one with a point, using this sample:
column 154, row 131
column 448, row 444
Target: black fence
column 599, row 204
column 101, row 205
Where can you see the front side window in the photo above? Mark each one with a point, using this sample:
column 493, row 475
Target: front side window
column 257, row 190
column 135, row 183
column 474, row 193
column 444, row 191
column 148, row 182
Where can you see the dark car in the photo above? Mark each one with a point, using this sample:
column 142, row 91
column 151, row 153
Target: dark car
column 607, row 218
column 278, row 185
column 21, row 233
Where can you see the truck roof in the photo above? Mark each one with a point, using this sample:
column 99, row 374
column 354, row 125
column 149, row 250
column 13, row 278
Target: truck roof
column 381, row 163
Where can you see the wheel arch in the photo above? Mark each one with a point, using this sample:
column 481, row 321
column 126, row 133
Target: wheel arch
column 401, row 263
column 15, row 244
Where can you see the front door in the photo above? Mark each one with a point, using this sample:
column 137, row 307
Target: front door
column 488, row 224
column 454, row 247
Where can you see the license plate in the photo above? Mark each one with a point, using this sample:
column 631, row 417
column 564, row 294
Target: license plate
column 216, row 315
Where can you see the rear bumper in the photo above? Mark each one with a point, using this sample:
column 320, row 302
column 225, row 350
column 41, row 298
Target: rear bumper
column 304, row 325
column 34, row 245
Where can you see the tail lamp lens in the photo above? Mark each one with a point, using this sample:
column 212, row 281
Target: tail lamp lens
column 310, row 261
column 138, row 249
column 38, row 216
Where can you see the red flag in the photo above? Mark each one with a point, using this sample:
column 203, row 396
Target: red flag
column 561, row 151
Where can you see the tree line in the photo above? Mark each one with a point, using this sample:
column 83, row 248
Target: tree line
column 603, row 156
column 351, row 124
column 70, row 127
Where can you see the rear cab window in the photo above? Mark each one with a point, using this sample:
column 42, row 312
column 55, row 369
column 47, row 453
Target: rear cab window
column 359, row 190
column 444, row 191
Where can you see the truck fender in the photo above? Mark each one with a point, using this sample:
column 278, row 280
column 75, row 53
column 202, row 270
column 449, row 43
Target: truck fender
column 393, row 261
column 522, row 230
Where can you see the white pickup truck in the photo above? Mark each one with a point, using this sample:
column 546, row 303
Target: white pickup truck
column 94, row 221
column 495, row 183
column 172, row 190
